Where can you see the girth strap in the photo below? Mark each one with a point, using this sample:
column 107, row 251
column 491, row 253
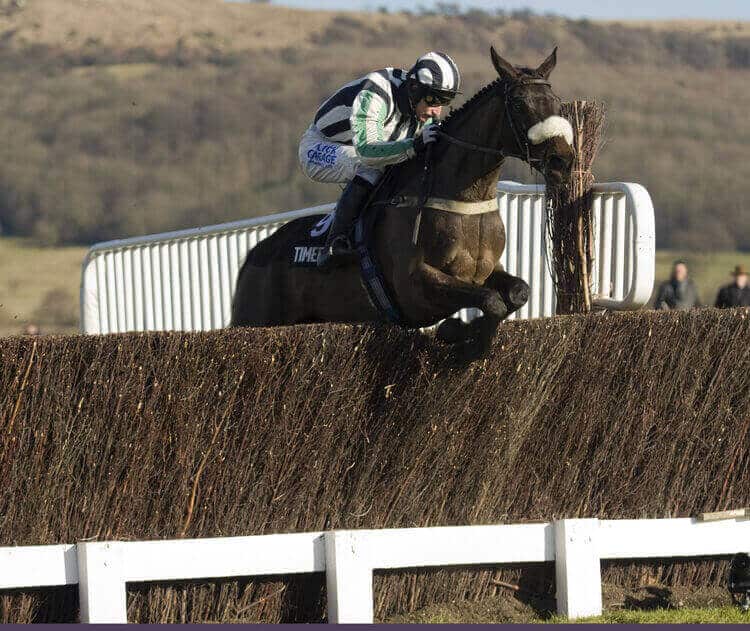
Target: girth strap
column 438, row 203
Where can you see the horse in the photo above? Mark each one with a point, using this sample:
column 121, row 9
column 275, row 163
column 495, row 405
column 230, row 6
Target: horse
column 437, row 250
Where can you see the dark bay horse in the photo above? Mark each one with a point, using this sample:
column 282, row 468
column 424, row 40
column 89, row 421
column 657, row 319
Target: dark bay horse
column 453, row 262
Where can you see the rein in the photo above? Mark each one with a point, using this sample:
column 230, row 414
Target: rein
column 427, row 173
column 509, row 88
column 469, row 145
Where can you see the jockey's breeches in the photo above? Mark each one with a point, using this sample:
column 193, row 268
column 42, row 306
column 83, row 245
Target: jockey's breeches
column 323, row 160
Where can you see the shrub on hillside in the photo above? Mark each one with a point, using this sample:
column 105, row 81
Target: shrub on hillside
column 738, row 52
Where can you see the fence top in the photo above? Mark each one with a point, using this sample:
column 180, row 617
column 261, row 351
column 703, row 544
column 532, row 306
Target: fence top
column 95, row 296
column 503, row 186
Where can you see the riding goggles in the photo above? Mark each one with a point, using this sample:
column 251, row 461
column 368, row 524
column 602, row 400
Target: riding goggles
column 438, row 99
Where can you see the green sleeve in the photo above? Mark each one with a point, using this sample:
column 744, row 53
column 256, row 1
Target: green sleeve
column 368, row 116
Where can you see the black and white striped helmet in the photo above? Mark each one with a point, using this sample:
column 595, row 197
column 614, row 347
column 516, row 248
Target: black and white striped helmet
column 434, row 73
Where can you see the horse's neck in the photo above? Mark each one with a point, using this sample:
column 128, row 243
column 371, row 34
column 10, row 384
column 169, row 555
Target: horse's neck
column 469, row 175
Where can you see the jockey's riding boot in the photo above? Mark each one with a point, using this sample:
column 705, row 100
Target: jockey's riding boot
column 338, row 248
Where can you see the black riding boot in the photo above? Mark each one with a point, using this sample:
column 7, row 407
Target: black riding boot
column 338, row 249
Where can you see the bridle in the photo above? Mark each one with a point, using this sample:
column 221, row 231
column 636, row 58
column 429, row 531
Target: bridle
column 508, row 88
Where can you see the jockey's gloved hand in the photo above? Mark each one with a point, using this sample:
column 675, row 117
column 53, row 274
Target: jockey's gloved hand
column 429, row 135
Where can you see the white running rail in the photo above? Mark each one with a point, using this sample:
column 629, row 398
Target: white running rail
column 185, row 280
column 349, row 558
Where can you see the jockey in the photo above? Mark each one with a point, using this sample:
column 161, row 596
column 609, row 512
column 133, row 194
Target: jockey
column 380, row 119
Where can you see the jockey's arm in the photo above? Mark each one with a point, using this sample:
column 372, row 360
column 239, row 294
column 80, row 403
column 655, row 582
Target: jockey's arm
column 368, row 115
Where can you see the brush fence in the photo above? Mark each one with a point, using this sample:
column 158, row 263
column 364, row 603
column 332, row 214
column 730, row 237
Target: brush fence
column 349, row 557
column 185, row 280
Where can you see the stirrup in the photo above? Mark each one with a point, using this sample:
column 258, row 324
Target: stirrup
column 340, row 244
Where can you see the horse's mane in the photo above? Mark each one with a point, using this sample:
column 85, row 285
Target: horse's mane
column 456, row 115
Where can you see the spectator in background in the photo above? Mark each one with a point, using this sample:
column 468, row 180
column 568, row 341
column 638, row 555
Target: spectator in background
column 31, row 329
column 678, row 292
column 736, row 294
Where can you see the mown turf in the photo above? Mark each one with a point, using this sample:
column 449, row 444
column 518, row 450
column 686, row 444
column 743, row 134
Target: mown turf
column 39, row 285
column 648, row 604
column 486, row 614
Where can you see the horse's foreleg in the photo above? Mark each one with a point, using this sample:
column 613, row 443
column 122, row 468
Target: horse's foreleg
column 452, row 294
column 514, row 290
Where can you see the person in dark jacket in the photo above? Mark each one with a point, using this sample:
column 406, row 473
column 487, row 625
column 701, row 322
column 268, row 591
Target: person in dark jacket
column 678, row 292
column 737, row 294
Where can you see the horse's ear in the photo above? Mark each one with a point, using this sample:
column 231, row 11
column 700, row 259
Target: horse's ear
column 548, row 65
column 504, row 68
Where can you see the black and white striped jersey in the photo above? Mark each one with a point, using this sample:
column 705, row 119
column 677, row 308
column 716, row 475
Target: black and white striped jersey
column 373, row 114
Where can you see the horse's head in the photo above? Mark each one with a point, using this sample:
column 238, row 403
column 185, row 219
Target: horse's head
column 532, row 114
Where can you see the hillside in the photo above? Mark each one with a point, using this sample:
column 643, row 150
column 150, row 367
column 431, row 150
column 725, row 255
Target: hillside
column 128, row 117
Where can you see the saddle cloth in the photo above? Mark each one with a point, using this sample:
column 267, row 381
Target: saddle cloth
column 305, row 254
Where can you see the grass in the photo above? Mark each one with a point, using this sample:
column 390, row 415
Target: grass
column 709, row 615
column 39, row 285
column 621, row 606
column 484, row 613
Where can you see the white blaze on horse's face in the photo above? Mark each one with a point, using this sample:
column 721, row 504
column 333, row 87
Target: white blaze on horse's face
column 550, row 128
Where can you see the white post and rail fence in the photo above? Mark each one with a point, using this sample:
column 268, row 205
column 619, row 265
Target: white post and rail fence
column 350, row 557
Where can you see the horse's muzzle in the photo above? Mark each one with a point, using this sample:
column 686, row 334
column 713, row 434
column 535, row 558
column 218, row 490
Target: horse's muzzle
column 556, row 170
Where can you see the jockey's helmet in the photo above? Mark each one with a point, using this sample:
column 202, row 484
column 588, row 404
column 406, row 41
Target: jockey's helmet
column 435, row 78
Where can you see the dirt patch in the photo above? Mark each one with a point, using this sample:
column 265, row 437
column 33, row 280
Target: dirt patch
column 502, row 608
column 662, row 597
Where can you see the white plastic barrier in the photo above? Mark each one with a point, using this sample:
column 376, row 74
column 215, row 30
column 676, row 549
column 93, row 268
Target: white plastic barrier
column 185, row 280
column 350, row 557
column 106, row 567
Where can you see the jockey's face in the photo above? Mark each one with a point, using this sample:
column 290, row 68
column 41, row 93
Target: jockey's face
column 425, row 111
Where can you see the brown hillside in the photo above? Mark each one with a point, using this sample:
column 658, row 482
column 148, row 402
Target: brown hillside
column 122, row 118
column 72, row 24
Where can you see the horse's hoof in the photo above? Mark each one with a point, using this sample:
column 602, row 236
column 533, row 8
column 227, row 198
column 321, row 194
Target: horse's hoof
column 452, row 331
column 519, row 294
column 494, row 306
